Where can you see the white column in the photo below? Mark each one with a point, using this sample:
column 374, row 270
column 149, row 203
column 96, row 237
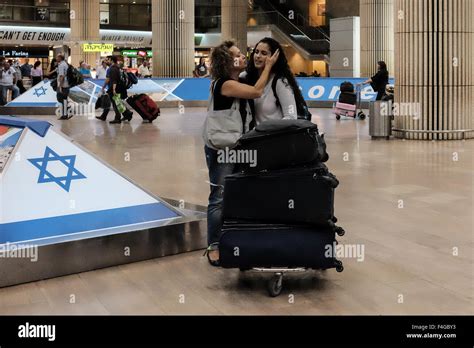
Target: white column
column 434, row 66
column 234, row 22
column 173, row 38
column 376, row 35
column 85, row 27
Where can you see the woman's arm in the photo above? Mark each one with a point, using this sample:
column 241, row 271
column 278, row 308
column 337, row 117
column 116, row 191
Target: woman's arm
column 235, row 89
column 287, row 100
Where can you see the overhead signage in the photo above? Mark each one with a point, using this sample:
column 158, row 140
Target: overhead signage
column 91, row 47
column 48, row 36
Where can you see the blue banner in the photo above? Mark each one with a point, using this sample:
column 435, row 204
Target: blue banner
column 188, row 89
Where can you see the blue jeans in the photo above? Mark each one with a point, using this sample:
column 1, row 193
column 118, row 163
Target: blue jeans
column 15, row 92
column 217, row 173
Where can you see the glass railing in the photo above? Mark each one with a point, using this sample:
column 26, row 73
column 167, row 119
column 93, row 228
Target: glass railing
column 34, row 14
column 303, row 24
column 312, row 46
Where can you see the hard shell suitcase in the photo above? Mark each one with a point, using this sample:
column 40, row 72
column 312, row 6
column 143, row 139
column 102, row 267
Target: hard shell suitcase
column 297, row 195
column 145, row 106
column 247, row 246
column 279, row 144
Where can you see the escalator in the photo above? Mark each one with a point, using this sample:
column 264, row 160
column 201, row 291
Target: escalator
column 312, row 42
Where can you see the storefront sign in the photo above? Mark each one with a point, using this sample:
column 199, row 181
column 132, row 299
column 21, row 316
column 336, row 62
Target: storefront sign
column 24, row 52
column 98, row 47
column 136, row 53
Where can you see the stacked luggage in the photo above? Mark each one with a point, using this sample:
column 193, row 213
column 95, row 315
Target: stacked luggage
column 347, row 102
column 279, row 211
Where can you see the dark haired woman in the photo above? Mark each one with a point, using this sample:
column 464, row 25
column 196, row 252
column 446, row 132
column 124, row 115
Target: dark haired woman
column 281, row 91
column 201, row 69
column 52, row 73
column 380, row 80
column 227, row 63
column 36, row 73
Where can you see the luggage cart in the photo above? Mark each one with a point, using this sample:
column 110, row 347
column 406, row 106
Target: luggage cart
column 350, row 110
column 275, row 285
column 361, row 113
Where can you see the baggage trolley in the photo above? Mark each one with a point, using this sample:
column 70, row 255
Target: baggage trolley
column 275, row 285
column 350, row 110
column 361, row 113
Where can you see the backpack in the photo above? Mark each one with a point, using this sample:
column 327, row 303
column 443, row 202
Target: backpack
column 127, row 79
column 132, row 78
column 74, row 77
column 302, row 109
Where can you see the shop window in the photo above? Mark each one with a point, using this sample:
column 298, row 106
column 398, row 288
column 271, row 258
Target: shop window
column 104, row 14
column 122, row 14
column 21, row 13
column 6, row 12
column 139, row 14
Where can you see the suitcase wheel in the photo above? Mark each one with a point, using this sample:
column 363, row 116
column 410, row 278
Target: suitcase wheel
column 340, row 231
column 338, row 117
column 339, row 266
column 275, row 285
column 361, row 115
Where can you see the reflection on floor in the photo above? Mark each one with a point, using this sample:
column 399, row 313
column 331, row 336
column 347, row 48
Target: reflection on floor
column 409, row 203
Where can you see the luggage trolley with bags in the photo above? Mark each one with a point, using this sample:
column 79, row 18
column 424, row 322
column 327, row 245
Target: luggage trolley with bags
column 350, row 100
column 279, row 215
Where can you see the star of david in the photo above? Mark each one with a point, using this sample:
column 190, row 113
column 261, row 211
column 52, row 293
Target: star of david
column 39, row 92
column 45, row 176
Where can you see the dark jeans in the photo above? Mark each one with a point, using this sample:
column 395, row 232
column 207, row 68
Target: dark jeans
column 36, row 80
column 62, row 99
column 217, row 173
column 106, row 111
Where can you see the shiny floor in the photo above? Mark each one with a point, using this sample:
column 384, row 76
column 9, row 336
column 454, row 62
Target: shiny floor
column 409, row 204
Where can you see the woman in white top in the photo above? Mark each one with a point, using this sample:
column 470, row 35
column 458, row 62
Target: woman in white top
column 279, row 99
column 37, row 73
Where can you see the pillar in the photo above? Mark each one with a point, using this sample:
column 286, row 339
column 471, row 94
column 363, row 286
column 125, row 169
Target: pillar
column 376, row 35
column 85, row 27
column 434, row 67
column 234, row 22
column 173, row 38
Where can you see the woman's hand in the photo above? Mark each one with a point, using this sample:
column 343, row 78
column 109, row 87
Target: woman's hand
column 270, row 62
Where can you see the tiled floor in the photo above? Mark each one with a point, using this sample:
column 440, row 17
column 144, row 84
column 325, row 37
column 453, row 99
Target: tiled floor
column 408, row 203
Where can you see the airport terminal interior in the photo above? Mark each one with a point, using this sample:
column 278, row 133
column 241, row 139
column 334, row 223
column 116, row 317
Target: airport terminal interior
column 124, row 229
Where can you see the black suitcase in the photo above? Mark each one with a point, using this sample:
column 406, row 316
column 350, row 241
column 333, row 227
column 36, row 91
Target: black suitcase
column 297, row 195
column 347, row 87
column 280, row 144
column 246, row 246
column 348, row 98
